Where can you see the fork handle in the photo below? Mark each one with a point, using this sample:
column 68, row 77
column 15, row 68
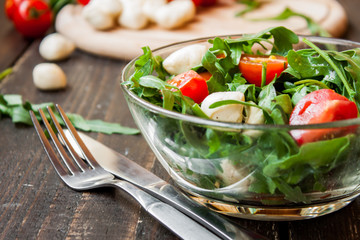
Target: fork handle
column 180, row 224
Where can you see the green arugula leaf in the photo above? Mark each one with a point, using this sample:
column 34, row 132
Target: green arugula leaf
column 314, row 28
column 251, row 5
column 11, row 105
column 321, row 154
column 4, row 73
column 350, row 92
column 99, row 126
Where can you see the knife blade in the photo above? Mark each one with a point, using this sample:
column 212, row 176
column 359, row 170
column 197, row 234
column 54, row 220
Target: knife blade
column 125, row 169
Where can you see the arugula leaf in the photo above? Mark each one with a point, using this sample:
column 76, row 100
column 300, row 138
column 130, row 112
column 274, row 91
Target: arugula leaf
column 335, row 67
column 283, row 40
column 4, row 73
column 315, row 155
column 314, row 28
column 251, row 5
column 267, row 94
column 11, row 105
column 352, row 57
column 99, row 126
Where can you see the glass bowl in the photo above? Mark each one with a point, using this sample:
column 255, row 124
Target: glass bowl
column 237, row 180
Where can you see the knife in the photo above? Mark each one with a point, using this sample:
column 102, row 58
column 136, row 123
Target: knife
column 125, row 169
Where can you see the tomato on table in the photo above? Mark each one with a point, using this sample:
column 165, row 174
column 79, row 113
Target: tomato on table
column 32, row 18
column 10, row 7
column 192, row 85
column 321, row 106
column 251, row 67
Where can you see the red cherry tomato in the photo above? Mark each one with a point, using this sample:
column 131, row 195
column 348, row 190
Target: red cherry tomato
column 11, row 6
column 197, row 2
column 251, row 67
column 83, row 2
column 192, row 85
column 204, row 3
column 321, row 106
column 32, row 18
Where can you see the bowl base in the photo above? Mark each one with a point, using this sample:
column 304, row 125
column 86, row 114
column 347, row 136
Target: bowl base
column 272, row 213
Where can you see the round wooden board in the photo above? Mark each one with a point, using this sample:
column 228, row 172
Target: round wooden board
column 125, row 43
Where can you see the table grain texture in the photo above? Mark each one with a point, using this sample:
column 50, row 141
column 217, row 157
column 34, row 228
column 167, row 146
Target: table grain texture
column 34, row 202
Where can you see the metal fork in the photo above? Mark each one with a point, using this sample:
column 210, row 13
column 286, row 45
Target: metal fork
column 81, row 175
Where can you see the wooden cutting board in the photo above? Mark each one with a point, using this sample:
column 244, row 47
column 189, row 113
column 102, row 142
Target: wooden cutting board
column 126, row 44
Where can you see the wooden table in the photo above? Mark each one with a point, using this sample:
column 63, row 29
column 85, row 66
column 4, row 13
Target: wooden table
column 35, row 204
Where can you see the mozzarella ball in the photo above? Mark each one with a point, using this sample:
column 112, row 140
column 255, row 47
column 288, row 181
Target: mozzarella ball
column 132, row 15
column 226, row 113
column 184, row 59
column 151, row 6
column 56, row 47
column 175, row 14
column 97, row 18
column 49, row 76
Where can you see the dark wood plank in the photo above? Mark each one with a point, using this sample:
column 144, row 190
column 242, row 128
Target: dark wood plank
column 12, row 43
column 352, row 10
column 36, row 204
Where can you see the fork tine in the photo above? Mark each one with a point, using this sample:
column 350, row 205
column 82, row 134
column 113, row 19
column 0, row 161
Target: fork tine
column 68, row 162
column 46, row 144
column 88, row 156
column 81, row 164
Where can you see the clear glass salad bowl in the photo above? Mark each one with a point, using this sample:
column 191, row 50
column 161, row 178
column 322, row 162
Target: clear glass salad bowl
column 252, row 171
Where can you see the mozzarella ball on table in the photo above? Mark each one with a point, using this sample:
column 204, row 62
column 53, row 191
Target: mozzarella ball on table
column 49, row 76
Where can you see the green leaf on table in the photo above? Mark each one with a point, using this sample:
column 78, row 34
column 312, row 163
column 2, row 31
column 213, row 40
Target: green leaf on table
column 11, row 105
column 99, row 126
column 4, row 73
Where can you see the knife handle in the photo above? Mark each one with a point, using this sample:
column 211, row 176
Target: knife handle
column 174, row 220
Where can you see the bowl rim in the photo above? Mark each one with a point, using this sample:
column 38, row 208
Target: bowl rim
column 232, row 125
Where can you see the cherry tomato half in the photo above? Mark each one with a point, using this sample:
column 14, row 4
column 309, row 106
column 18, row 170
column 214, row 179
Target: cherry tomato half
column 321, row 106
column 32, row 18
column 251, row 67
column 192, row 85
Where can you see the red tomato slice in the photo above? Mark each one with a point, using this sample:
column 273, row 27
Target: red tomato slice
column 321, row 106
column 32, row 18
column 192, row 85
column 251, row 67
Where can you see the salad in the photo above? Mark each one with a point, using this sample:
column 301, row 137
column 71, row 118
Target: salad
column 257, row 79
